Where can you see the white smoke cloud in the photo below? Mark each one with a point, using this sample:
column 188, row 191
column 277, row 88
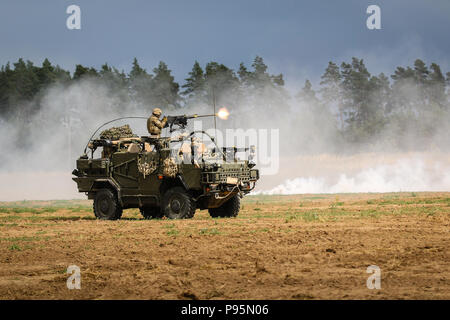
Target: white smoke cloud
column 406, row 174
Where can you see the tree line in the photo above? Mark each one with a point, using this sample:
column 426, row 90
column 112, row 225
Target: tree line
column 365, row 104
column 360, row 105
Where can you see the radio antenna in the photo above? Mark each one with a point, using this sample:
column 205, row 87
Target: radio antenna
column 214, row 107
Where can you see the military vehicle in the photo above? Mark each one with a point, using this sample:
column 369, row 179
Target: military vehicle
column 165, row 176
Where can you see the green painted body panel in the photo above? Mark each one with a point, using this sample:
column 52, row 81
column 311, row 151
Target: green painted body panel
column 124, row 170
column 192, row 176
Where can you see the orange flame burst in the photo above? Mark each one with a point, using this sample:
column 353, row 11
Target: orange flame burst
column 223, row 113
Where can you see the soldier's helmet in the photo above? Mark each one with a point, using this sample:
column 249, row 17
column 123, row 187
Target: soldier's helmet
column 157, row 112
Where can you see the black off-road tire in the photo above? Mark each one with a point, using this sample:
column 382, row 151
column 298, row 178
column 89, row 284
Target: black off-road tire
column 227, row 210
column 151, row 212
column 178, row 204
column 106, row 205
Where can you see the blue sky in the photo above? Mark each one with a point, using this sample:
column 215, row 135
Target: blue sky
column 296, row 38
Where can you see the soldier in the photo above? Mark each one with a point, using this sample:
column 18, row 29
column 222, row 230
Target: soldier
column 154, row 125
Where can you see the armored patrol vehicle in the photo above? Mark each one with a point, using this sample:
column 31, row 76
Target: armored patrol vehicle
column 165, row 176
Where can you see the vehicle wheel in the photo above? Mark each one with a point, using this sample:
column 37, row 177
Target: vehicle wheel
column 151, row 212
column 178, row 204
column 228, row 209
column 106, row 205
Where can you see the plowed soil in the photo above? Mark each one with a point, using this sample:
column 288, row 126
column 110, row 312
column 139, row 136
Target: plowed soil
column 279, row 247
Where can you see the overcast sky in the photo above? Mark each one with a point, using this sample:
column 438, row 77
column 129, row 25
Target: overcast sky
column 295, row 37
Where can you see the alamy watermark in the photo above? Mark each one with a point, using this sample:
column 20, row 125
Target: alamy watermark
column 73, row 22
column 374, row 280
column 261, row 146
column 74, row 280
column 373, row 22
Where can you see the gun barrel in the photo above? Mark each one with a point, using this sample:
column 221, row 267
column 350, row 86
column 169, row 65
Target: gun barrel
column 181, row 121
column 202, row 115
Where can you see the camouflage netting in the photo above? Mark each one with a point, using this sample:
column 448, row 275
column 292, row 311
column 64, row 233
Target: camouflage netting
column 170, row 168
column 115, row 133
column 146, row 166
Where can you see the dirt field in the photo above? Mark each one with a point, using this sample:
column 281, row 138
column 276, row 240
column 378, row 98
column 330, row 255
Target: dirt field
column 280, row 247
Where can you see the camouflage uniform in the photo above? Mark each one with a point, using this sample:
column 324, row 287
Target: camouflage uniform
column 154, row 125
